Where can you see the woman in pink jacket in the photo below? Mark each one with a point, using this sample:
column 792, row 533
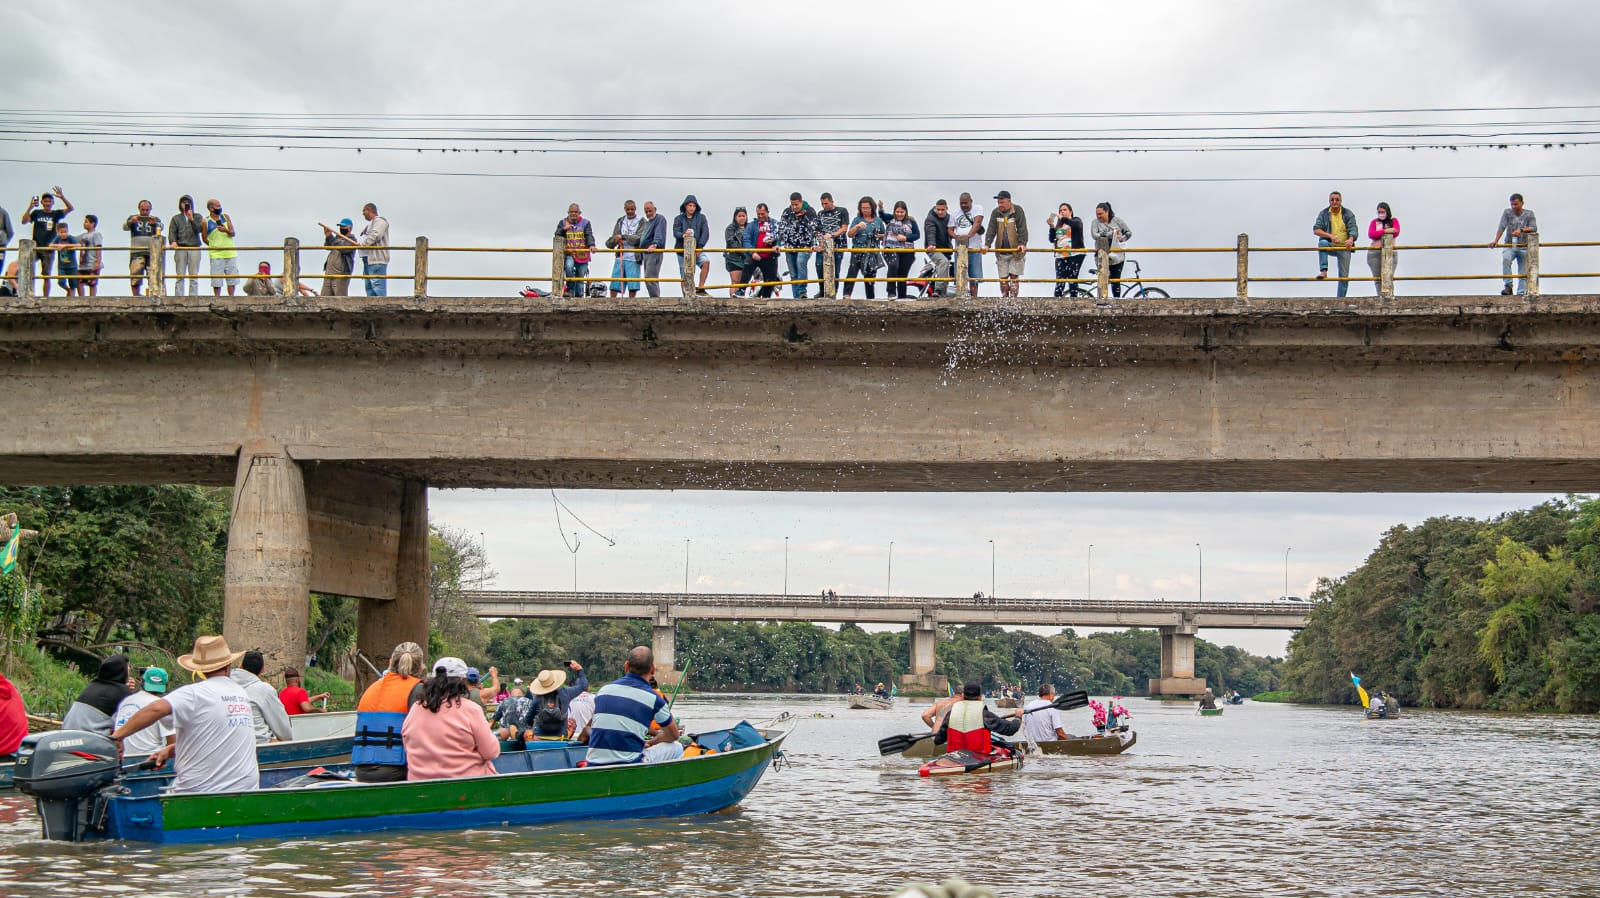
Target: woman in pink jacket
column 1385, row 223
column 444, row 734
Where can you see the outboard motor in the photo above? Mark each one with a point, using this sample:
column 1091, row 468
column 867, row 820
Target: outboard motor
column 64, row 771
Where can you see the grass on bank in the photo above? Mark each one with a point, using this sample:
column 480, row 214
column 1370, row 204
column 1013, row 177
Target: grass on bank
column 1276, row 695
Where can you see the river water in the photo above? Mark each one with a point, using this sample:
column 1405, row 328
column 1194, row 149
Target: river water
column 1270, row 800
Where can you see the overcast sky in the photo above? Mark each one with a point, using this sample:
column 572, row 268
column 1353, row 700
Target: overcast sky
column 736, row 58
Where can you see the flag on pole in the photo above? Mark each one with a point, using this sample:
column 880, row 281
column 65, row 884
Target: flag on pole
column 9, row 559
column 1365, row 701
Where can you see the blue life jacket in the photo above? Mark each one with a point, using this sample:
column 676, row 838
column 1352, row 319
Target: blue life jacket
column 377, row 739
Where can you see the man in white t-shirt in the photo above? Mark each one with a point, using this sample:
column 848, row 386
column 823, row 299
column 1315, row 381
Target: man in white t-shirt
column 149, row 740
column 579, row 712
column 215, row 742
column 967, row 224
column 1043, row 725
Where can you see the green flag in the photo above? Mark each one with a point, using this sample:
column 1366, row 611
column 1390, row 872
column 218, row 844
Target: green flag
column 9, row 560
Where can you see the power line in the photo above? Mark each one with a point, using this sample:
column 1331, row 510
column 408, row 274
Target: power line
column 793, row 178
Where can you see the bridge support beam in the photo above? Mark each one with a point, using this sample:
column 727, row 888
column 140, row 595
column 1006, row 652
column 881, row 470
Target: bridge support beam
column 924, row 642
column 267, row 581
column 664, row 645
column 1177, row 663
column 383, row 624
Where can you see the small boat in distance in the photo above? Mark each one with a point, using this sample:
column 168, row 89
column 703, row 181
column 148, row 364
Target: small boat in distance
column 869, row 702
column 1210, row 712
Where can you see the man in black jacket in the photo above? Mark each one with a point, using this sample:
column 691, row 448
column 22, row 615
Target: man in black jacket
column 936, row 234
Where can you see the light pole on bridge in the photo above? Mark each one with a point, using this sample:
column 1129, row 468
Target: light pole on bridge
column 786, row 567
column 991, row 568
column 888, row 580
column 1200, row 573
column 575, row 546
column 1286, row 571
column 686, row 565
column 1088, row 591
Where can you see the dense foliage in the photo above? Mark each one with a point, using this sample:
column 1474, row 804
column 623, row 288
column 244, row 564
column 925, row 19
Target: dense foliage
column 1461, row 613
column 799, row 657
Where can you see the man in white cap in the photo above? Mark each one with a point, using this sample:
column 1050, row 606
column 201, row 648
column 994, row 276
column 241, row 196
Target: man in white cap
column 150, row 740
column 215, row 735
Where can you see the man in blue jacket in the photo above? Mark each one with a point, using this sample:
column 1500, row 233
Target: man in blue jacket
column 690, row 219
column 1336, row 232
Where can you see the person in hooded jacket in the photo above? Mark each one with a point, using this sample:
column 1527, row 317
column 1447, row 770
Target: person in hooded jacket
column 691, row 220
column 96, row 706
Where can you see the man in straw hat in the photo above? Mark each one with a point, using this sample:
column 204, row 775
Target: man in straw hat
column 547, row 719
column 216, row 744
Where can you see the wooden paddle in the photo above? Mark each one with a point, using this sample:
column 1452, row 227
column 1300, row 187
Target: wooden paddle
column 890, row 745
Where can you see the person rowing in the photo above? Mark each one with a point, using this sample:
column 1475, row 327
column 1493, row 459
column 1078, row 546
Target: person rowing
column 970, row 723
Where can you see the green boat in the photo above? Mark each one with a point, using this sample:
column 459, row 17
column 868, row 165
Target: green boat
column 1211, row 712
column 81, row 795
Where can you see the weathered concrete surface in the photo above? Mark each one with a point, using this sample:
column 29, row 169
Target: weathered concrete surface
column 267, row 579
column 1456, row 394
column 382, row 624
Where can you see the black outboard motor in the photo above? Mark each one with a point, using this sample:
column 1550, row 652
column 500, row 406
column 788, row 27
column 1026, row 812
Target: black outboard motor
column 64, row 771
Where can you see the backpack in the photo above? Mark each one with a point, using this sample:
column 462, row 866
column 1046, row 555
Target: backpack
column 551, row 717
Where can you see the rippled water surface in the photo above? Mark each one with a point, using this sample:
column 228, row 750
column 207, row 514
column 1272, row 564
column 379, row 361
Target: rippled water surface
column 1266, row 800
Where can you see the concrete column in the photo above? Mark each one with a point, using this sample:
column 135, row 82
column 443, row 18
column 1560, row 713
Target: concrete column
column 664, row 645
column 419, row 274
column 291, row 268
column 924, row 640
column 691, row 264
column 963, row 267
column 267, row 585
column 1177, row 663
column 1241, row 283
column 830, row 272
column 1102, row 278
column 156, row 271
column 558, row 267
column 26, row 253
column 1386, row 268
column 1533, row 264
column 382, row 624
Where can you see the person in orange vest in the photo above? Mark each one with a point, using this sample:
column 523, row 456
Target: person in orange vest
column 969, row 723
column 376, row 751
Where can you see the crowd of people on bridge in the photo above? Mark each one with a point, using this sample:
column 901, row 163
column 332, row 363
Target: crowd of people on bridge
column 876, row 236
column 414, row 722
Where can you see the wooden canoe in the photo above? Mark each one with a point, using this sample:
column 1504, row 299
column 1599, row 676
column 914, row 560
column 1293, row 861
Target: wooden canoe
column 1109, row 744
column 532, row 787
column 1210, row 712
column 869, row 702
column 1008, row 703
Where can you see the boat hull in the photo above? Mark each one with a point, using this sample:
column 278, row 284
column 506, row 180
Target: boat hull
column 1090, row 746
column 675, row 788
column 1210, row 712
column 869, row 702
column 963, row 763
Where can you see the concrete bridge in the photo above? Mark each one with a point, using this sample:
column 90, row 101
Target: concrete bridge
column 331, row 416
column 1177, row 621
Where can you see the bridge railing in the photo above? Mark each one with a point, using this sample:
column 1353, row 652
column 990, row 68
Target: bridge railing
column 1085, row 271
column 751, row 600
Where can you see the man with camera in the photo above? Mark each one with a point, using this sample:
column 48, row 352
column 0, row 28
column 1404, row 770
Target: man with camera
column 552, row 701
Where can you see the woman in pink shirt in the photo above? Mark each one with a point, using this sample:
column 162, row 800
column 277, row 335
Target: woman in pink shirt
column 444, row 735
column 1385, row 223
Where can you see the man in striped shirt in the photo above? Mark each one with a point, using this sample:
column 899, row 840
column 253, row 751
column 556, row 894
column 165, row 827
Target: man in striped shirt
column 623, row 711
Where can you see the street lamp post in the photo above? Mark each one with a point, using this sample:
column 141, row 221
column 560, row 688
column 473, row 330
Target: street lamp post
column 1200, row 575
column 1286, row 571
column 888, row 580
column 686, row 565
column 786, row 566
column 1088, row 592
column 991, row 568
column 575, row 546
column 483, row 560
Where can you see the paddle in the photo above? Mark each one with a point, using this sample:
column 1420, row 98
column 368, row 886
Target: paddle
column 890, row 745
column 687, row 662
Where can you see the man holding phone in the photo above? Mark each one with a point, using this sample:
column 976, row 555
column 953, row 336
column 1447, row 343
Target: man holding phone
column 43, row 215
column 224, row 258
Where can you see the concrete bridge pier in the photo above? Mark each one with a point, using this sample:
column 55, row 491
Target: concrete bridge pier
column 924, row 641
column 1177, row 662
column 664, row 645
column 267, row 580
column 382, row 624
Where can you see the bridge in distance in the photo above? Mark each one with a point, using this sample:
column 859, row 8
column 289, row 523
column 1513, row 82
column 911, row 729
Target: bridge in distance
column 1177, row 621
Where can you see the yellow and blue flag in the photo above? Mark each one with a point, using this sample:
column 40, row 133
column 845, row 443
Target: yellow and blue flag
column 1365, row 701
column 9, row 559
